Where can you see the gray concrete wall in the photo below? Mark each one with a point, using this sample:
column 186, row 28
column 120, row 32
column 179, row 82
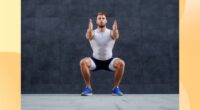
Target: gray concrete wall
column 53, row 42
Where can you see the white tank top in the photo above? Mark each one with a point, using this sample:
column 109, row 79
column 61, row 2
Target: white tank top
column 102, row 44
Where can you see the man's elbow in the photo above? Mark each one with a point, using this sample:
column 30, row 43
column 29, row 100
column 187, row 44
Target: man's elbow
column 86, row 35
column 89, row 37
column 117, row 37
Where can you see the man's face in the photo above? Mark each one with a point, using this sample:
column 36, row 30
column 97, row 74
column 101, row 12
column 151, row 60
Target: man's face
column 101, row 21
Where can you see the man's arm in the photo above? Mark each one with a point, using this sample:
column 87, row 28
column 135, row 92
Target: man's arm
column 115, row 32
column 90, row 32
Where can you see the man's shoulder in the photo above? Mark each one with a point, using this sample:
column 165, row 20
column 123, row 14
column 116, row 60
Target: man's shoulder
column 108, row 29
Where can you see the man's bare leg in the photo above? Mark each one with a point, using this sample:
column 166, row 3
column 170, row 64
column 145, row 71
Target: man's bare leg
column 119, row 65
column 84, row 67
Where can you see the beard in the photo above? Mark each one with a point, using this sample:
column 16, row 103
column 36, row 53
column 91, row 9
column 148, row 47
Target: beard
column 101, row 26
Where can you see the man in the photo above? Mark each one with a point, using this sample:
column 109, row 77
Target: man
column 102, row 41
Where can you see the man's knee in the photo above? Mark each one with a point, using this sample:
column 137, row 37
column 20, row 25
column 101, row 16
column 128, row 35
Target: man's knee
column 120, row 63
column 84, row 62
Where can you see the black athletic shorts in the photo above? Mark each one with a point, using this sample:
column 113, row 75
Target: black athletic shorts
column 102, row 64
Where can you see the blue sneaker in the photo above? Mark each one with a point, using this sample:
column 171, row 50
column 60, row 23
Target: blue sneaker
column 117, row 92
column 87, row 92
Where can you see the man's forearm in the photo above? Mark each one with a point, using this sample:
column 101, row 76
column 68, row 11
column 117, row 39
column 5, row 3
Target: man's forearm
column 115, row 34
column 89, row 34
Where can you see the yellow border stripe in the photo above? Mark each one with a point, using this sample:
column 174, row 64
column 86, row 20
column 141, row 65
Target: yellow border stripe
column 10, row 21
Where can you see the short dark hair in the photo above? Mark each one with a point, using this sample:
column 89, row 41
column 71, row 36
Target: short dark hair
column 101, row 13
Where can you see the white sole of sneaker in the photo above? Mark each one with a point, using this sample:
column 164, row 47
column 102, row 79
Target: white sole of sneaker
column 86, row 94
column 113, row 94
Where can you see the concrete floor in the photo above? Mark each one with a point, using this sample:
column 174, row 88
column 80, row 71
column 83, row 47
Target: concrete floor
column 100, row 102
